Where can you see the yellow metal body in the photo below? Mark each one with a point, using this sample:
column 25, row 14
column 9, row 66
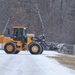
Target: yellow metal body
column 18, row 26
column 4, row 40
column 1, row 39
column 29, row 39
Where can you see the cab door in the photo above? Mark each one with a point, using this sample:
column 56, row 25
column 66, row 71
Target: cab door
column 18, row 34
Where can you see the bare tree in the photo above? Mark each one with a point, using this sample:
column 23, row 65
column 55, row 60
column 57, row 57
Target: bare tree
column 36, row 9
column 61, row 15
column 6, row 25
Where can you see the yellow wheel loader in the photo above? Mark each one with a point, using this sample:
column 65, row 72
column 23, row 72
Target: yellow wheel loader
column 19, row 40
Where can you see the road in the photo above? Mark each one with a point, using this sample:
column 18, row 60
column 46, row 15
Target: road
column 26, row 64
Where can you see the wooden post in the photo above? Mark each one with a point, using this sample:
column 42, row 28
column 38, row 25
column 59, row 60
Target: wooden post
column 74, row 49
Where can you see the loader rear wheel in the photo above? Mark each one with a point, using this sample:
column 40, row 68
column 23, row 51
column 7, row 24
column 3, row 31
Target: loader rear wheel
column 16, row 52
column 10, row 48
column 35, row 48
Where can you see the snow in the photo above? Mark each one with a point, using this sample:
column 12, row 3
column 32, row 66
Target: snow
column 26, row 64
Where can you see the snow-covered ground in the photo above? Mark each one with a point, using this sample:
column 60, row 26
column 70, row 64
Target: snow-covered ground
column 26, row 64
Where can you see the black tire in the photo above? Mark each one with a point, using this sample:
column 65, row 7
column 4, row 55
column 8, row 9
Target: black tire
column 41, row 50
column 10, row 51
column 34, row 45
column 16, row 52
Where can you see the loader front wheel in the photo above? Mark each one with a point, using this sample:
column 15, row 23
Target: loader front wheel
column 41, row 50
column 35, row 48
column 10, row 48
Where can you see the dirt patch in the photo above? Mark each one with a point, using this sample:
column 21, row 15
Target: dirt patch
column 67, row 61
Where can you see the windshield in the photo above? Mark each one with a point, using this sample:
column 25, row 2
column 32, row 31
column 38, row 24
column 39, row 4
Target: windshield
column 20, row 32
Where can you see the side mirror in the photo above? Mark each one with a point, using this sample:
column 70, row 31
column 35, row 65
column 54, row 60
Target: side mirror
column 8, row 30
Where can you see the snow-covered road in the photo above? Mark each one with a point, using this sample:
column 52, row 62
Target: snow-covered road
column 26, row 64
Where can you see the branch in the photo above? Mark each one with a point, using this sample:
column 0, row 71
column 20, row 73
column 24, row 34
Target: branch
column 35, row 8
column 6, row 25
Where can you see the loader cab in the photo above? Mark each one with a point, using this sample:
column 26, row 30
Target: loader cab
column 20, row 34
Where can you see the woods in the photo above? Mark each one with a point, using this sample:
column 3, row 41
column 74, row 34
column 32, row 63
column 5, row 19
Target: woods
column 54, row 18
